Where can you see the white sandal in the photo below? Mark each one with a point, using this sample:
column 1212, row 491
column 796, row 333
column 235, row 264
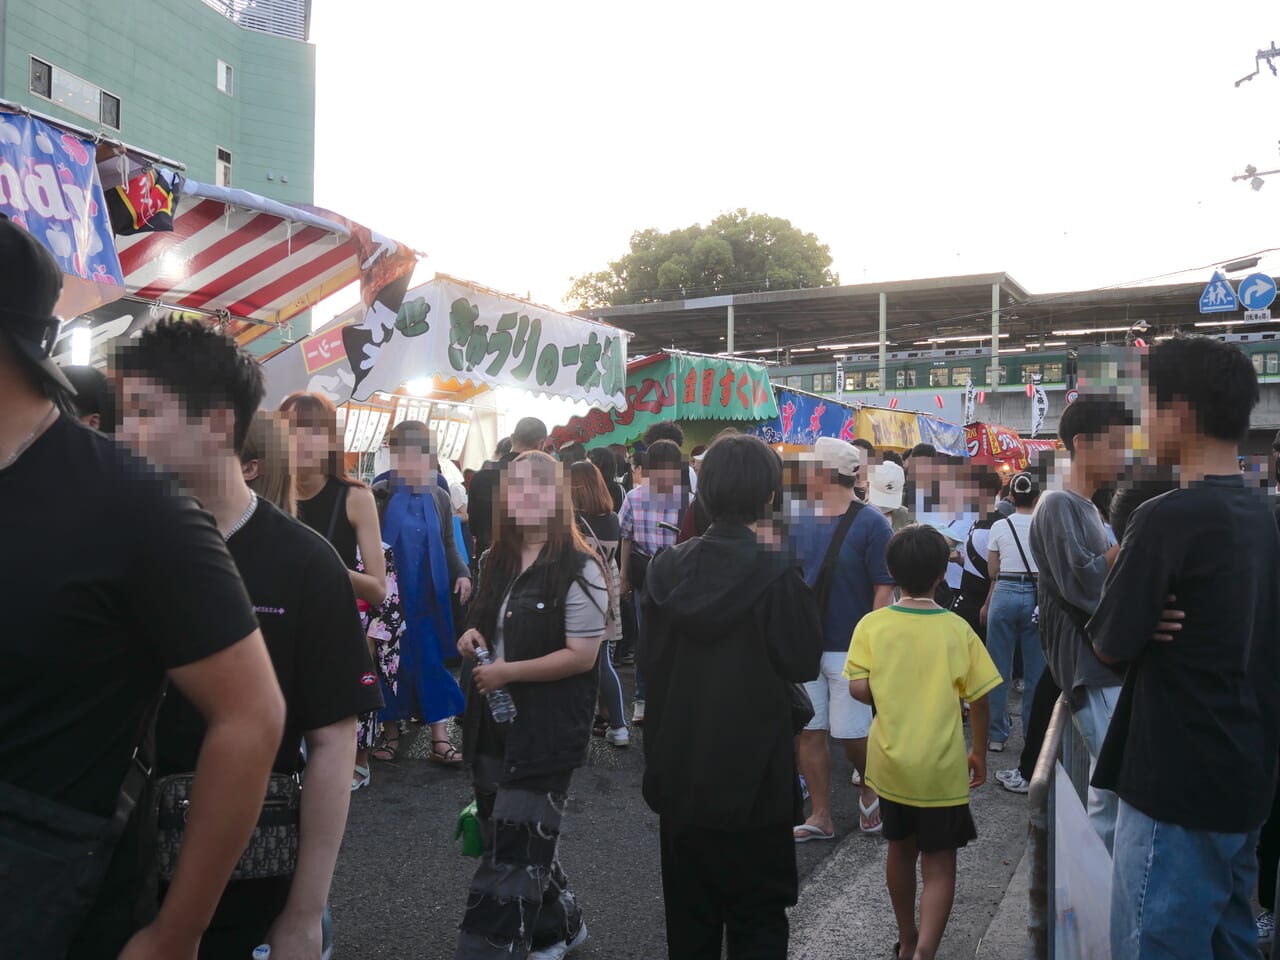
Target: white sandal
column 361, row 779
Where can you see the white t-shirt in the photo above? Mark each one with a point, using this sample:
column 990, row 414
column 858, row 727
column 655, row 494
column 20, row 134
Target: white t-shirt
column 1001, row 542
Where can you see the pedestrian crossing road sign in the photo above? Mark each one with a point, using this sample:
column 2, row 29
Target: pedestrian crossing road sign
column 1218, row 297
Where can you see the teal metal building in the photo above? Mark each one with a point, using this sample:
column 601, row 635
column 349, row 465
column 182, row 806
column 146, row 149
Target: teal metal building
column 226, row 87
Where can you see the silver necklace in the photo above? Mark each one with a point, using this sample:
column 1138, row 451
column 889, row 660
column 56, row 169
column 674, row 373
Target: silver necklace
column 253, row 505
column 30, row 438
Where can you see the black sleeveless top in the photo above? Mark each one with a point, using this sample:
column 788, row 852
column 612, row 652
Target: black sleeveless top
column 326, row 514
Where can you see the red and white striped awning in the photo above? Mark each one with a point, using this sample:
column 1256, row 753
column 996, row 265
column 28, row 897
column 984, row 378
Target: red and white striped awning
column 259, row 261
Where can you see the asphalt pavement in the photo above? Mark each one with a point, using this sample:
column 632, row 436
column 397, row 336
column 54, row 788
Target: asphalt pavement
column 401, row 883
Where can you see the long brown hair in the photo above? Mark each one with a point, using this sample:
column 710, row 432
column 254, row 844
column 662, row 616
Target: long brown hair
column 565, row 550
column 315, row 411
column 590, row 495
column 267, row 441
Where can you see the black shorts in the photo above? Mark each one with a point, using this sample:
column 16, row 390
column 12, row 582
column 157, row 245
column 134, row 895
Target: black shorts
column 934, row 828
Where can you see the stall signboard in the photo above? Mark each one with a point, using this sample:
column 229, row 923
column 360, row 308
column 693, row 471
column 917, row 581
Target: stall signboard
column 678, row 386
column 889, row 429
column 992, row 443
column 49, row 185
column 454, row 330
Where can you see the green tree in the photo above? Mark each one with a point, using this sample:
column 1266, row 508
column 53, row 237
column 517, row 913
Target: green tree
column 737, row 252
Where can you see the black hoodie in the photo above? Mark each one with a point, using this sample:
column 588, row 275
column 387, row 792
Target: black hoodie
column 729, row 624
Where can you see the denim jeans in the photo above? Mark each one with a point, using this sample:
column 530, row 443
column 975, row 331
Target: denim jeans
column 1009, row 625
column 1093, row 720
column 1179, row 893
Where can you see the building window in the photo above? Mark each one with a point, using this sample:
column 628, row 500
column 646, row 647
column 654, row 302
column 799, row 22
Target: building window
column 959, row 375
column 1273, row 363
column 853, row 381
column 1004, row 374
column 873, row 379
column 73, row 93
column 110, row 110
column 226, row 78
column 222, row 173
column 1030, row 370
column 938, row 377
column 41, row 79
column 1053, row 373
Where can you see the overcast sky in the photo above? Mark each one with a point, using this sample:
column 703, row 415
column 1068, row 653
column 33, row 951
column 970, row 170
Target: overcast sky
column 520, row 144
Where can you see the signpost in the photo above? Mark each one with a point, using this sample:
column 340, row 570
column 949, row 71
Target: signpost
column 1218, row 297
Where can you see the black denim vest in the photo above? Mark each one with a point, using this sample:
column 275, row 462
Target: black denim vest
column 552, row 729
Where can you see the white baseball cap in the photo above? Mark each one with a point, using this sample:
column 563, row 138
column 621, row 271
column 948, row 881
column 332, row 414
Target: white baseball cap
column 886, row 486
column 843, row 458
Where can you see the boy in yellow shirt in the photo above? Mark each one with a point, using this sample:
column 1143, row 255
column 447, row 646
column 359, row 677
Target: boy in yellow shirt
column 919, row 660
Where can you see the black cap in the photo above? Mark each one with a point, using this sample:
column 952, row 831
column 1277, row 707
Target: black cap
column 30, row 284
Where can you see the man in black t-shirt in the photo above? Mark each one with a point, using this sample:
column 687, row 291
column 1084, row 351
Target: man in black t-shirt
column 189, row 394
column 110, row 583
column 1208, row 700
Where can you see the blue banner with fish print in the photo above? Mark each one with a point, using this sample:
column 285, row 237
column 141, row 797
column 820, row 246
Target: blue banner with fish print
column 803, row 418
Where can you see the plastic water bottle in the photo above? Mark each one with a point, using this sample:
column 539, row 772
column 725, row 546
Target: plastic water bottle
column 500, row 703
column 262, row 953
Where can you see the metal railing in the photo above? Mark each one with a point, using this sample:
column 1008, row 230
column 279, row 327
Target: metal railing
column 1062, row 742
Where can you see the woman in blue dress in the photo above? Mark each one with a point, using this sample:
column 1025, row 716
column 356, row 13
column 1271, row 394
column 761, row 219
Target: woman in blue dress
column 417, row 524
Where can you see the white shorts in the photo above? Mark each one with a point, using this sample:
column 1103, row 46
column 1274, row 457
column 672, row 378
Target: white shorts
column 833, row 707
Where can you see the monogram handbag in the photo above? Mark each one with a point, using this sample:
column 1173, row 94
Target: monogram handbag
column 273, row 848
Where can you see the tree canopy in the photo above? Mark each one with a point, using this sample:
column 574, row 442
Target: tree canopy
column 737, row 252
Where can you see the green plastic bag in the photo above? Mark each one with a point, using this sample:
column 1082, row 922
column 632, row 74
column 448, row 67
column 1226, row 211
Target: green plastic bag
column 468, row 830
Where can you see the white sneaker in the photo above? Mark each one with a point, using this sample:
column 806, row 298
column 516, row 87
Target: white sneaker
column 1013, row 781
column 856, row 778
column 1266, row 927
column 637, row 712
column 618, row 738
column 560, row 950
column 995, row 746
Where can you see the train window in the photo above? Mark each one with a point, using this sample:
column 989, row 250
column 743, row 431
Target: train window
column 911, row 379
column 900, row 378
column 1029, row 370
column 828, row 383
column 960, row 375
column 853, row 381
column 1004, row 374
column 873, row 379
column 1052, row 372
column 938, row 376
column 1273, row 363
column 1258, row 362
column 797, row 382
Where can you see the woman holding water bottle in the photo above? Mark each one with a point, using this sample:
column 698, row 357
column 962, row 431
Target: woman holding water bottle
column 538, row 617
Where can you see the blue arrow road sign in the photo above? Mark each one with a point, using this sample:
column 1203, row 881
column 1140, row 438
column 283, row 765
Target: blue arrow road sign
column 1218, row 297
column 1257, row 291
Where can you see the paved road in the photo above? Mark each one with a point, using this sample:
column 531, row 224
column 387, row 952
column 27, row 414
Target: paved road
column 401, row 883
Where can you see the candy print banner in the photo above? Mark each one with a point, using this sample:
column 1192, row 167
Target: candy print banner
column 677, row 386
column 49, row 185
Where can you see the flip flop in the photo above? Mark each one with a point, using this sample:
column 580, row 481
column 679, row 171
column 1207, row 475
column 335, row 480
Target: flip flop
column 807, row 831
column 866, row 812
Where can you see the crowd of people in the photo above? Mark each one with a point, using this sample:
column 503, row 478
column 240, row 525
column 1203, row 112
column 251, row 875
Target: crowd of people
column 204, row 609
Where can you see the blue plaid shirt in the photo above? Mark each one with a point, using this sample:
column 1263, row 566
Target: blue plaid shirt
column 642, row 511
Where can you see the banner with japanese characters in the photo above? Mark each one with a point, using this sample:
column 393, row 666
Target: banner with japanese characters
column 454, row 330
column 804, row 417
column 677, row 386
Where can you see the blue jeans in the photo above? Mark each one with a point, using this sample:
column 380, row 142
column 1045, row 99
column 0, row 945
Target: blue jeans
column 1093, row 719
column 1008, row 625
column 1179, row 893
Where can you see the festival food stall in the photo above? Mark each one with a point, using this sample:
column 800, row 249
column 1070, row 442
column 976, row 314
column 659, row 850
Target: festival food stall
column 704, row 394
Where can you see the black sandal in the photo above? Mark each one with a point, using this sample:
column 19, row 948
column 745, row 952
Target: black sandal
column 450, row 757
column 387, row 749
